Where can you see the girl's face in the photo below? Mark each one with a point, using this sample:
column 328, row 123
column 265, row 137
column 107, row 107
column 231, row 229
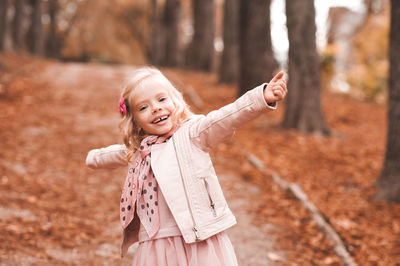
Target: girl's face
column 152, row 109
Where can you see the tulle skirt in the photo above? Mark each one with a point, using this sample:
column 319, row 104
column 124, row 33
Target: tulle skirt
column 173, row 251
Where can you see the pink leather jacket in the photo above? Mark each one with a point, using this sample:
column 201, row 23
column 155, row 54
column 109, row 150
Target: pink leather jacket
column 184, row 170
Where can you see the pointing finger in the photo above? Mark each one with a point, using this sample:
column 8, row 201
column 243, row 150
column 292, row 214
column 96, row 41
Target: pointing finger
column 278, row 76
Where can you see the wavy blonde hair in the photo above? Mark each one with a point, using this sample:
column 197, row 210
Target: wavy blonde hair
column 132, row 134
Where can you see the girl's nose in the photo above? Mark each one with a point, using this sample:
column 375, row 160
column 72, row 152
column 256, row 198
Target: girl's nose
column 156, row 109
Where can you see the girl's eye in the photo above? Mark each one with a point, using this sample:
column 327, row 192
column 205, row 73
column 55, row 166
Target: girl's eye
column 162, row 99
column 142, row 108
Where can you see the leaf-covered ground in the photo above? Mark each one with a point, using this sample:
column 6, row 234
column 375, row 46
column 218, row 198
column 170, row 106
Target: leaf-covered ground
column 55, row 211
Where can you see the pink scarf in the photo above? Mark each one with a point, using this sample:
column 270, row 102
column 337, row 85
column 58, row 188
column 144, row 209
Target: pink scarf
column 140, row 188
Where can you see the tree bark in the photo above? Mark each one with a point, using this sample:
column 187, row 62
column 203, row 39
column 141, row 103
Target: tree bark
column 256, row 56
column 171, row 18
column 17, row 25
column 389, row 180
column 303, row 109
column 157, row 53
column 3, row 22
column 35, row 36
column 53, row 40
column 200, row 54
column 229, row 68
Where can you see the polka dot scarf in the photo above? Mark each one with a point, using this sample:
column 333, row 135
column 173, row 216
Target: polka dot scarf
column 141, row 187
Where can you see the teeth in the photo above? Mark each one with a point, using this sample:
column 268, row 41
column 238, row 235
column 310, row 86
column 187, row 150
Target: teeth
column 161, row 119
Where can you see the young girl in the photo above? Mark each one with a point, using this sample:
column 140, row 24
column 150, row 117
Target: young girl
column 171, row 202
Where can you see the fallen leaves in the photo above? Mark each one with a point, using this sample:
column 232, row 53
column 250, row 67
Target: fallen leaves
column 58, row 211
column 337, row 173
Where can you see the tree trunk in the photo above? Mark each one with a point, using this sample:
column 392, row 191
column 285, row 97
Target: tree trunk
column 3, row 22
column 256, row 57
column 229, row 68
column 171, row 18
column 35, row 36
column 303, row 109
column 389, row 180
column 17, row 25
column 53, row 41
column 157, row 54
column 200, row 54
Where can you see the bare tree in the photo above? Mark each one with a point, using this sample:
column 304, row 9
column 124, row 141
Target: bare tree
column 157, row 38
column 17, row 25
column 389, row 180
column 171, row 18
column 35, row 35
column 3, row 22
column 53, row 44
column 256, row 58
column 200, row 54
column 303, row 109
column 229, row 67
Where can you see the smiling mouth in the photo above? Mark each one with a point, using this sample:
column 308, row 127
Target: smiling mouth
column 160, row 119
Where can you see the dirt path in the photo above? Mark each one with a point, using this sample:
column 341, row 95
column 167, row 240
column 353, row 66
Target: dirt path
column 54, row 210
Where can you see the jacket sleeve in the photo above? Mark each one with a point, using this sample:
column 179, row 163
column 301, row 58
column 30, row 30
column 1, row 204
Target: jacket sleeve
column 207, row 131
column 109, row 157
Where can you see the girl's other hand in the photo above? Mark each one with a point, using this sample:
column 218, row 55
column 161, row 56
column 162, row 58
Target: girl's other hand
column 276, row 89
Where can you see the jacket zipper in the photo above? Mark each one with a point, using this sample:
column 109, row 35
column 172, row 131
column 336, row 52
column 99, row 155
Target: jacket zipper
column 212, row 205
column 194, row 228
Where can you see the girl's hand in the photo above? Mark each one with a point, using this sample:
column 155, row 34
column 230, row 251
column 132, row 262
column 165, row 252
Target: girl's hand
column 276, row 89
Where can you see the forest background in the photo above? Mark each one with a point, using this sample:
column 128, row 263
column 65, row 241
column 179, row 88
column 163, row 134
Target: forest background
column 336, row 136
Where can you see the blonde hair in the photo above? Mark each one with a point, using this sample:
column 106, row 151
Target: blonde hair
column 132, row 134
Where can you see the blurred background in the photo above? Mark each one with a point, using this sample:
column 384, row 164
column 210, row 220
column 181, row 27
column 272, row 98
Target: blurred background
column 143, row 32
column 336, row 135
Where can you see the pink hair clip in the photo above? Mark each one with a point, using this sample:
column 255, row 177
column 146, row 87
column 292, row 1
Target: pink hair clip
column 122, row 106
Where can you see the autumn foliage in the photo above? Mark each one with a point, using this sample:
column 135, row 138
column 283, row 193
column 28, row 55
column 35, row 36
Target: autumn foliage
column 54, row 210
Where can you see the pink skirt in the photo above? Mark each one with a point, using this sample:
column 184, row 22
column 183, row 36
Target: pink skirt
column 173, row 251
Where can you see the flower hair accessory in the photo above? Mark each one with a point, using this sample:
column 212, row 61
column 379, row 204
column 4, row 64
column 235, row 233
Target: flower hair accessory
column 122, row 106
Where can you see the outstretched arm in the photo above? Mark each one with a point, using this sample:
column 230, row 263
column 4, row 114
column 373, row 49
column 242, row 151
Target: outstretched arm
column 109, row 157
column 207, row 131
